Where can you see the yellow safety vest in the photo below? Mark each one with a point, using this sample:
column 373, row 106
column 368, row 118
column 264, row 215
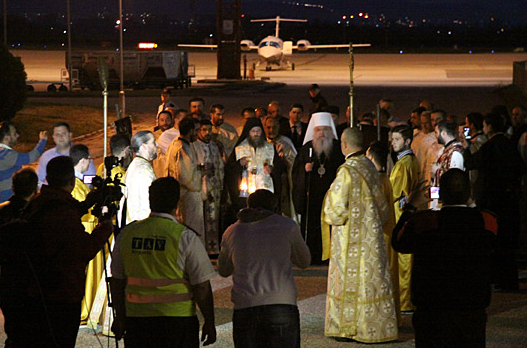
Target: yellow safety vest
column 155, row 284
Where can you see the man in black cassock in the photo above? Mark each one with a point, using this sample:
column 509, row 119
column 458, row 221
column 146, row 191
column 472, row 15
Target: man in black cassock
column 314, row 170
column 234, row 168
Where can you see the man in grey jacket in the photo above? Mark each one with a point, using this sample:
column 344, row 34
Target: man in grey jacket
column 259, row 251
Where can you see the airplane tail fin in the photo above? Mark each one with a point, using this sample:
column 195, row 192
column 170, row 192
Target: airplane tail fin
column 278, row 19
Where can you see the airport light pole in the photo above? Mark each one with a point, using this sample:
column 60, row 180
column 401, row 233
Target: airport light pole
column 68, row 17
column 352, row 67
column 122, row 104
column 5, row 23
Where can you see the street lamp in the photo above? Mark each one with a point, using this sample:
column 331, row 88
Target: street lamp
column 70, row 80
column 122, row 103
column 5, row 23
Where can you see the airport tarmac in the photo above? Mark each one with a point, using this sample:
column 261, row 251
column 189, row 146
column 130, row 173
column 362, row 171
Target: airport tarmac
column 329, row 67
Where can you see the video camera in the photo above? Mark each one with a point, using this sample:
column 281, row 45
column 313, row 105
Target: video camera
column 110, row 189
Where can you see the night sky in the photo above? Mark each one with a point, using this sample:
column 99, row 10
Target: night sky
column 510, row 10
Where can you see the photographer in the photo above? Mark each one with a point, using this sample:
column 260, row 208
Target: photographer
column 66, row 249
column 120, row 149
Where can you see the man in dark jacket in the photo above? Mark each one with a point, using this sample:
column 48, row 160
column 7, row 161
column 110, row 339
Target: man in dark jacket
column 497, row 188
column 25, row 186
column 67, row 249
column 451, row 266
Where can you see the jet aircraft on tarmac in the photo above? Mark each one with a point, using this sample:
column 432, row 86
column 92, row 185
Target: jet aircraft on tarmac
column 273, row 50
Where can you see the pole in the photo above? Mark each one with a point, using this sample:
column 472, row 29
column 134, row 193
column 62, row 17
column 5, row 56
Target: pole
column 105, row 113
column 122, row 103
column 5, row 23
column 352, row 66
column 70, row 80
column 378, row 122
column 308, row 179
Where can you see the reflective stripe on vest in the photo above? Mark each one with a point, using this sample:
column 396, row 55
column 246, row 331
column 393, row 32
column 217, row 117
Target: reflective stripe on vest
column 154, row 282
column 136, row 298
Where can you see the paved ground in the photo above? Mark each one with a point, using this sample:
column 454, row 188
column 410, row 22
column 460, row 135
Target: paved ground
column 329, row 67
column 506, row 328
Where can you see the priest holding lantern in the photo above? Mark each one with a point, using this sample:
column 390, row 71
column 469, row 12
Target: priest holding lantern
column 253, row 165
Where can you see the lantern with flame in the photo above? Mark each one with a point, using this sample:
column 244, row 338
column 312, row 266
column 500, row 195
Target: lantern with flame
column 244, row 184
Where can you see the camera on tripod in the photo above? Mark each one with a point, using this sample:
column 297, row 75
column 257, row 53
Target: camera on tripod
column 110, row 189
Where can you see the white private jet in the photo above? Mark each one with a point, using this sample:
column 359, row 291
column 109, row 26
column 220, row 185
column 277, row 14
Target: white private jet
column 273, row 51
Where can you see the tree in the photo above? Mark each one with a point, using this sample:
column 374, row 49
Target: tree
column 13, row 90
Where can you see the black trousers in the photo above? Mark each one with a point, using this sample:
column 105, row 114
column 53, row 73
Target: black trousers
column 271, row 326
column 162, row 332
column 32, row 324
column 436, row 328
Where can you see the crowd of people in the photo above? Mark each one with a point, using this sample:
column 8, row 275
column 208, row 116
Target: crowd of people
column 299, row 189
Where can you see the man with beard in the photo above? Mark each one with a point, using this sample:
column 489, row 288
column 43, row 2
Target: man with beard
column 452, row 156
column 257, row 161
column 210, row 161
column 286, row 151
column 404, row 178
column 182, row 165
column 164, row 123
column 138, row 178
column 223, row 133
column 314, row 170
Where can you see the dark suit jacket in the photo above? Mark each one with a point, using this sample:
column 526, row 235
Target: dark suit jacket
column 298, row 141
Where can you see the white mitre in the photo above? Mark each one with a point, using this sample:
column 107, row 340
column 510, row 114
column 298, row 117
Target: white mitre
column 319, row 119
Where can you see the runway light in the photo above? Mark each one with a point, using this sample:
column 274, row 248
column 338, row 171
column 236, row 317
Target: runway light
column 470, row 52
column 361, row 14
column 449, row 33
column 492, row 51
column 352, row 16
column 117, row 22
column 366, row 16
column 62, row 44
column 401, row 51
column 64, row 32
column 343, row 17
column 147, row 45
column 210, row 35
column 338, row 22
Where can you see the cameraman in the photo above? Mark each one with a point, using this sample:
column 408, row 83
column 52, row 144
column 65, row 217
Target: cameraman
column 119, row 148
column 66, row 249
column 451, row 266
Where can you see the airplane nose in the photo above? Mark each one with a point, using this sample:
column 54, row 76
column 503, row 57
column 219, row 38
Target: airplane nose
column 267, row 52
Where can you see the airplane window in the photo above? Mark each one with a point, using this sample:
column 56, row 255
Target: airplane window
column 275, row 44
column 265, row 43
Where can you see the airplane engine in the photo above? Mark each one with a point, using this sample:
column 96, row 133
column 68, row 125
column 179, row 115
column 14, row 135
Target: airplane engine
column 303, row 45
column 246, row 45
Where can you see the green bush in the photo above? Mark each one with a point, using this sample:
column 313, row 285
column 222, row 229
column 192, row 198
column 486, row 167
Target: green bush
column 13, row 91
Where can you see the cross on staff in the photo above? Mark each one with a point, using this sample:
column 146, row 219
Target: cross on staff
column 352, row 66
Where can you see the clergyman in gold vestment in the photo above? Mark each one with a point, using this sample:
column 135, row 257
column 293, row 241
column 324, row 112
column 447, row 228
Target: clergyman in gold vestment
column 360, row 303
